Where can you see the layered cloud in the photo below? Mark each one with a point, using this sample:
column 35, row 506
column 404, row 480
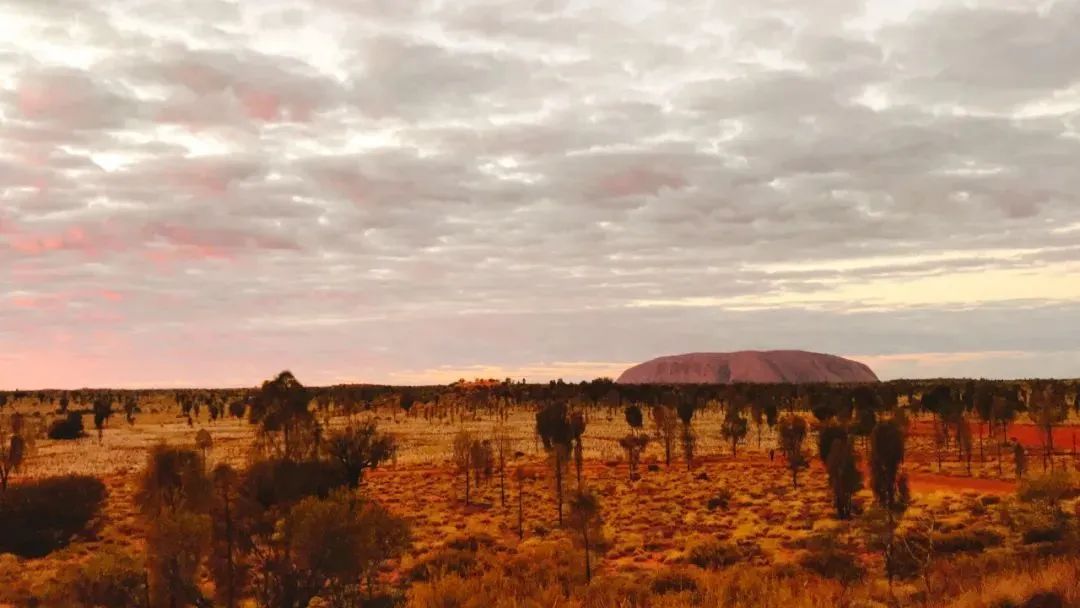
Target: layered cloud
column 201, row 193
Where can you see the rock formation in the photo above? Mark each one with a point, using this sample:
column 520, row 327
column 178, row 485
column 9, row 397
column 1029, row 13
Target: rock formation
column 794, row 366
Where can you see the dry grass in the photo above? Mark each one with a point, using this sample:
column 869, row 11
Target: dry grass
column 650, row 525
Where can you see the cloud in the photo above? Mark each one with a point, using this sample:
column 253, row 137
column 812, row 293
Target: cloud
column 412, row 190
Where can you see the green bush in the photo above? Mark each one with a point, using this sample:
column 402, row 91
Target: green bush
column 39, row 517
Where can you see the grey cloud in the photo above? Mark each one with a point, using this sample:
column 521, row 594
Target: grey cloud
column 468, row 183
column 987, row 58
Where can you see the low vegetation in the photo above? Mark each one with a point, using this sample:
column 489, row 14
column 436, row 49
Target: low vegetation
column 503, row 494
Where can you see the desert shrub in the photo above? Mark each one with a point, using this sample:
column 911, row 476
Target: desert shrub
column 745, row 585
column 1007, row 583
column 714, row 554
column 445, row 562
column 720, row 500
column 339, row 541
column 975, row 539
column 1049, row 490
column 110, row 578
column 605, row 591
column 673, row 581
column 827, row 558
column 280, row 482
column 536, row 574
column 460, row 556
column 39, row 517
column 1045, row 599
column 471, row 542
column 68, row 428
column 1044, row 533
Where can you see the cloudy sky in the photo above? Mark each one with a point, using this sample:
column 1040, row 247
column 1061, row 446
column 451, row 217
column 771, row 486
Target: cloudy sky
column 206, row 192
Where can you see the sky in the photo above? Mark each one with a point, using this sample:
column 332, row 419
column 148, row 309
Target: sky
column 203, row 193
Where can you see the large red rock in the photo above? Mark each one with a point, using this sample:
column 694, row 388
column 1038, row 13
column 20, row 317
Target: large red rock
column 771, row 366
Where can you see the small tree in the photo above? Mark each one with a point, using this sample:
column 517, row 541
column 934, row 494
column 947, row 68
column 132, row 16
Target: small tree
column 385, row 537
column 793, row 429
column 577, row 429
column 102, row 412
column 227, row 568
column 826, row 437
column 1019, row 460
column 463, row 456
column 888, row 482
column 941, row 437
column 554, row 428
column 131, row 405
column 483, row 460
column 634, row 445
column 634, row 418
column 585, row 518
column 965, row 441
column 1048, row 408
column 174, row 496
column 280, row 408
column 666, row 424
column 204, row 442
column 358, row 448
column 734, row 428
column 685, row 411
column 845, row 479
column 520, row 474
column 15, row 443
column 501, row 441
column 176, row 544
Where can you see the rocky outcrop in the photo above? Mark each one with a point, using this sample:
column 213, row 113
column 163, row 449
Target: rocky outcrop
column 770, row 366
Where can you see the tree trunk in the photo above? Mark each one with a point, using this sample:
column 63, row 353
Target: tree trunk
column 588, row 565
column 982, row 456
column 1001, row 466
column 502, row 478
column 230, row 593
column 558, row 482
column 521, row 509
column 889, row 549
column 1050, row 445
column 579, row 460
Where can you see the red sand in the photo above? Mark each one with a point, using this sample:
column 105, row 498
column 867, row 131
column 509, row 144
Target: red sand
column 1029, row 435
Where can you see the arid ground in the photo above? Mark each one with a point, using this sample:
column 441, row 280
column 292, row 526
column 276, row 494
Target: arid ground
column 746, row 502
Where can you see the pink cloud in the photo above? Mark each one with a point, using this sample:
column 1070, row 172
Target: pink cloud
column 208, row 175
column 38, row 302
column 74, row 238
column 261, row 105
column 66, row 97
column 111, row 296
column 637, row 180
